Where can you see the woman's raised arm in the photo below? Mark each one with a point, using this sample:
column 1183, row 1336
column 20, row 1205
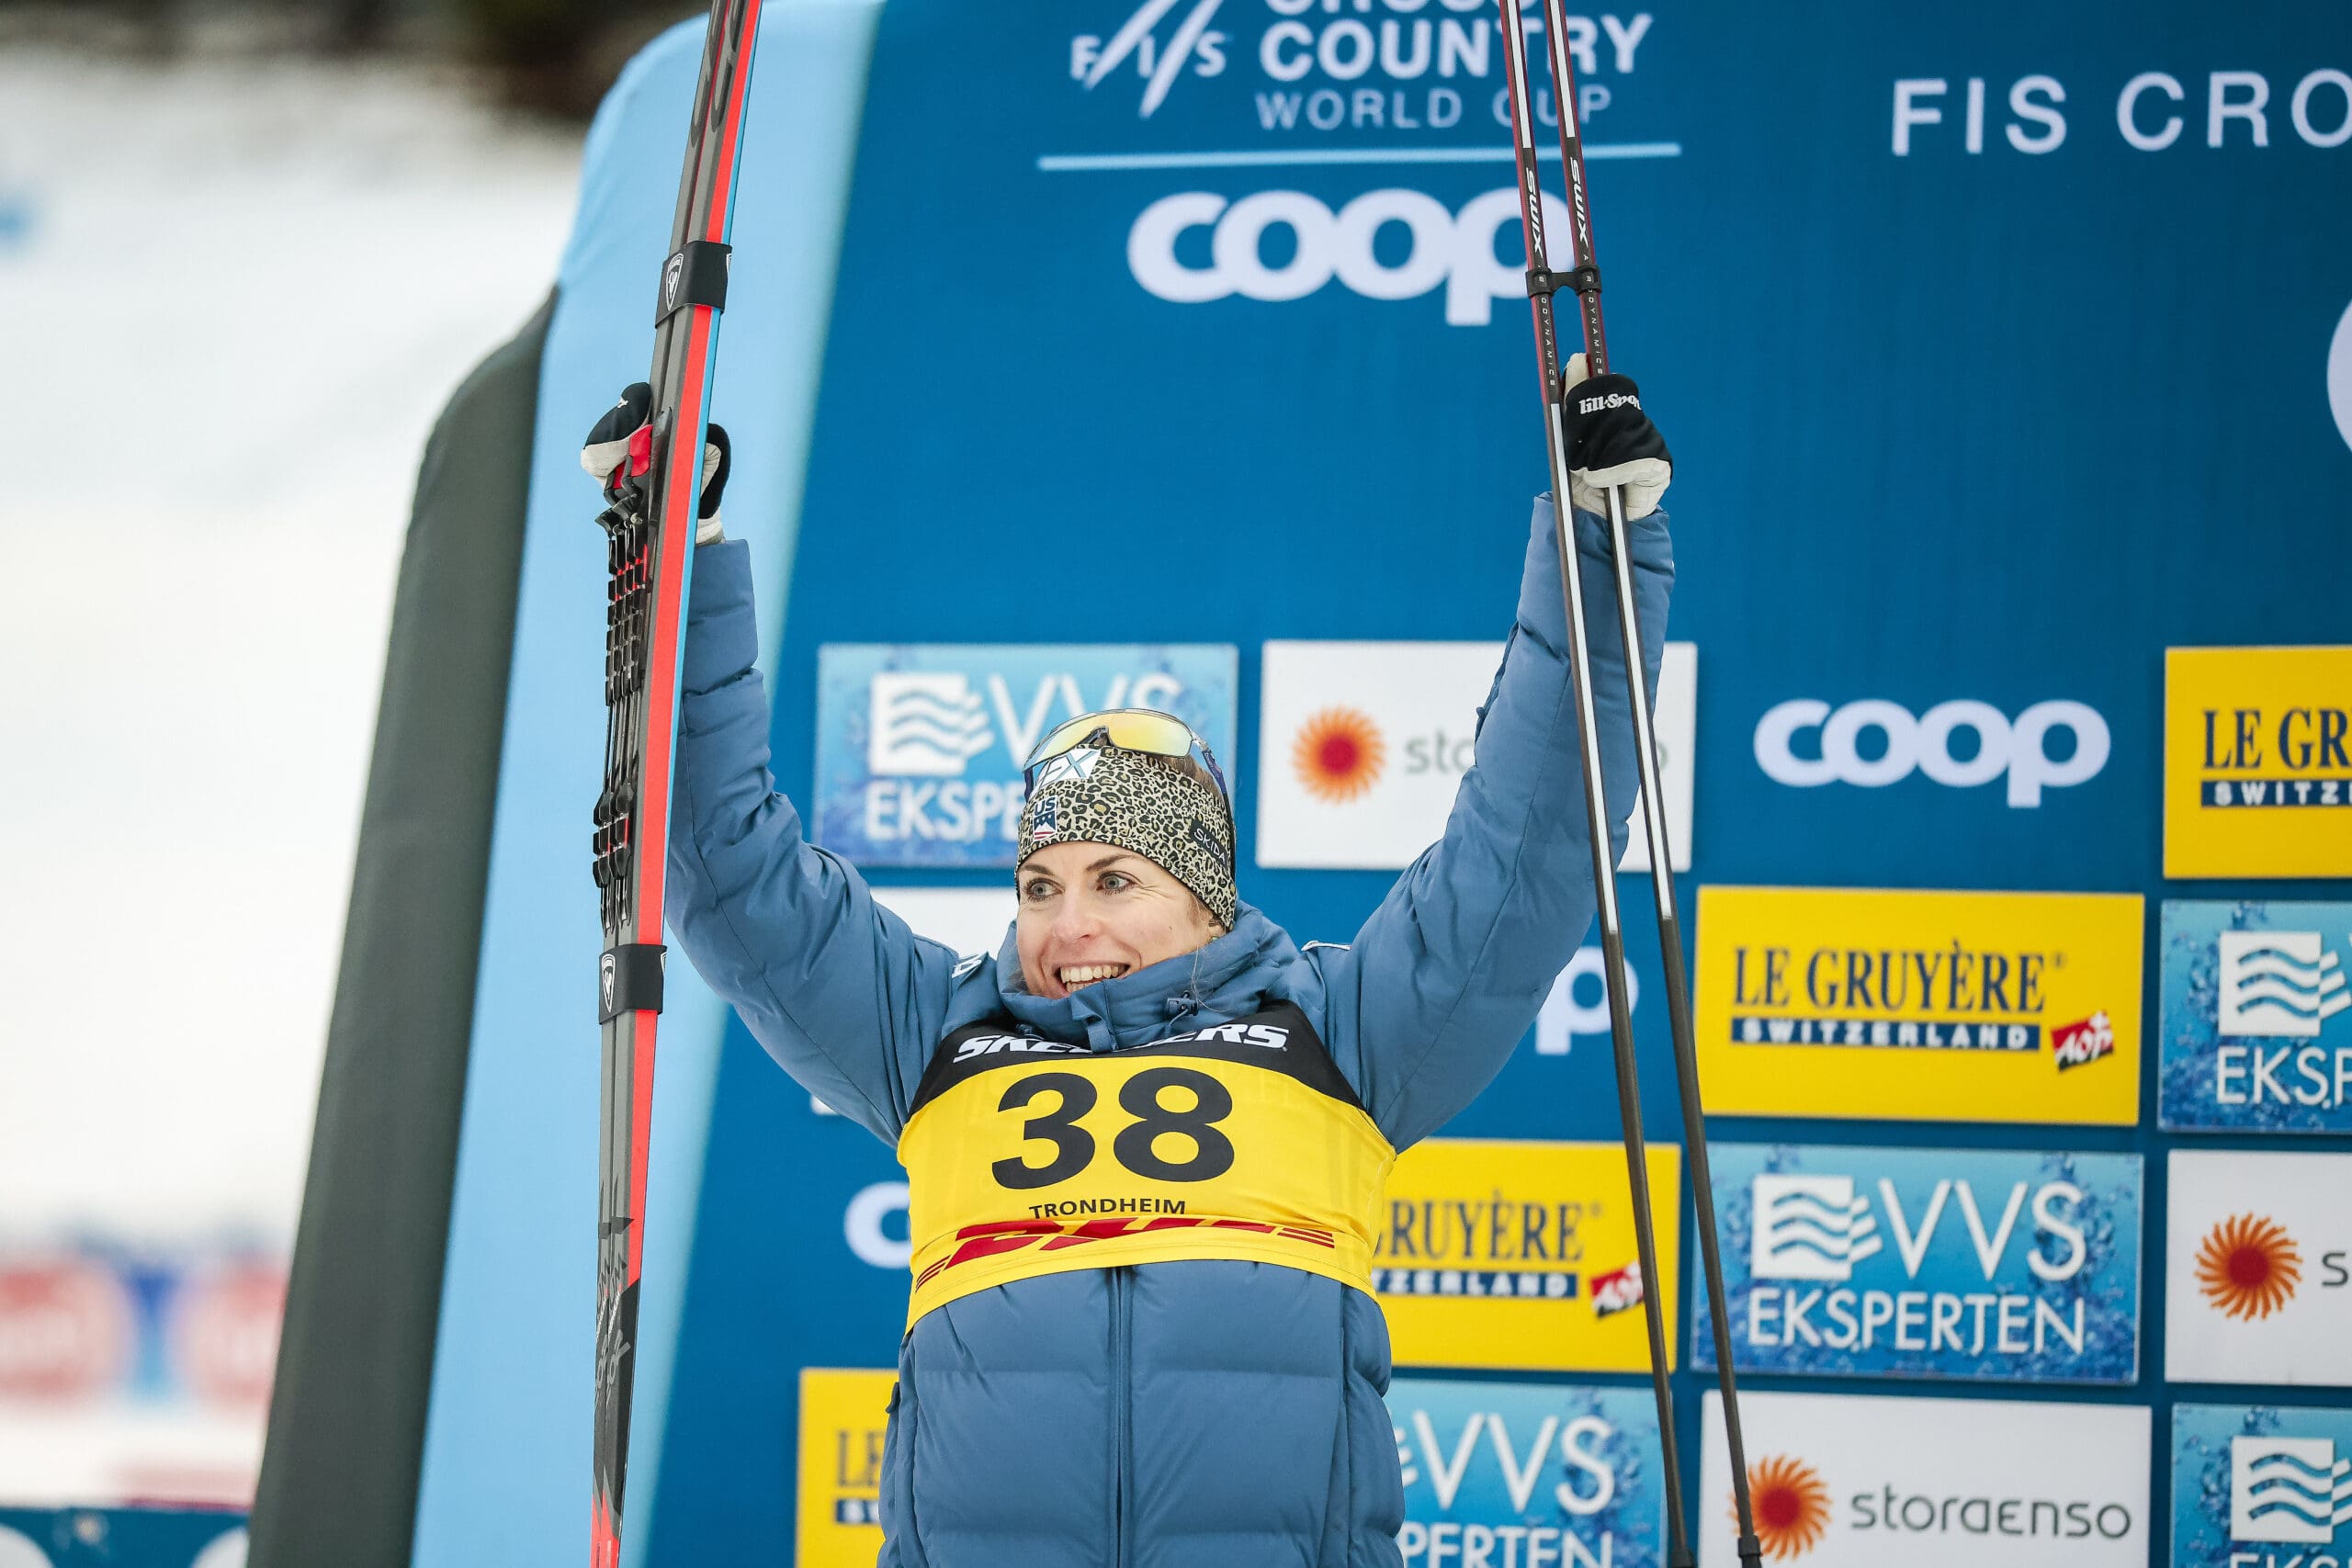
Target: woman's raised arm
column 839, row 989
column 1451, row 968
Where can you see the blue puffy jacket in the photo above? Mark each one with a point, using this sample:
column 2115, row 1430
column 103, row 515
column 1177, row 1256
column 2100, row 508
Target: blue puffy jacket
column 1178, row 1415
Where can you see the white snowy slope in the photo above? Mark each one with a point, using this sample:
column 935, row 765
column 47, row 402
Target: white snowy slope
column 234, row 293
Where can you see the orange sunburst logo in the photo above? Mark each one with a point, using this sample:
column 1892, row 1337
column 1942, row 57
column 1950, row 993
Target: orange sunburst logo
column 2250, row 1266
column 1791, row 1506
column 1338, row 755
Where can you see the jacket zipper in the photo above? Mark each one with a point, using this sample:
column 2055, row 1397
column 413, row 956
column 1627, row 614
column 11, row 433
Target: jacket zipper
column 1122, row 1423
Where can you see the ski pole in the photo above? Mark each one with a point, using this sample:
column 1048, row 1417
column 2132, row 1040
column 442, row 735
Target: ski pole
column 1540, row 283
column 1584, row 278
column 649, row 527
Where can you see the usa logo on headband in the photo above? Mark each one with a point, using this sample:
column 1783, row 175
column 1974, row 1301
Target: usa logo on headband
column 1043, row 827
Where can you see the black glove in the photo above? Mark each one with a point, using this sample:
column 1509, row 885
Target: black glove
column 1613, row 441
column 620, row 447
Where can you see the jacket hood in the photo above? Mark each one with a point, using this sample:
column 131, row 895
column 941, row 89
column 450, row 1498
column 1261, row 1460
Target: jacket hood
column 1236, row 975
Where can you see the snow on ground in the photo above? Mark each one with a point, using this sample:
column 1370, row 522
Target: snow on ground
column 234, row 294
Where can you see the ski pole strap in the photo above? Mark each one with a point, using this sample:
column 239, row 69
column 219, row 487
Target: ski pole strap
column 1585, row 279
column 694, row 276
column 628, row 979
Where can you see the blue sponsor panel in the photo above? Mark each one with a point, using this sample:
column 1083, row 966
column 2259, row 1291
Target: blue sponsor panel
column 1990, row 1264
column 2255, row 1017
column 920, row 745
column 2261, row 1486
column 1528, row 1475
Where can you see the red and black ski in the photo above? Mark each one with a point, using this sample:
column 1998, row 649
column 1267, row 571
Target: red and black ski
column 650, row 530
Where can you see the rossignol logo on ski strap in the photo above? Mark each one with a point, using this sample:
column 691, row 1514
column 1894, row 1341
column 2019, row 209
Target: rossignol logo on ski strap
column 696, row 275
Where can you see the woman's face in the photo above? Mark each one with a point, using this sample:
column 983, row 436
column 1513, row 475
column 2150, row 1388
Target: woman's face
column 1092, row 912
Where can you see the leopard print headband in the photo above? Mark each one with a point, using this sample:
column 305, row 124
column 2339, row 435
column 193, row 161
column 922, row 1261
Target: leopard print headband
column 1100, row 794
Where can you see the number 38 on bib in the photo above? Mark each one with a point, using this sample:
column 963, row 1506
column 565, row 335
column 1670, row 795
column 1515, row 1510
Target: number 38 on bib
column 1240, row 1140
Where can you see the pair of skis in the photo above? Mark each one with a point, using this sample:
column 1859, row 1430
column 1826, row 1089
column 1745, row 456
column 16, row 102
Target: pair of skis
column 650, row 529
column 1583, row 277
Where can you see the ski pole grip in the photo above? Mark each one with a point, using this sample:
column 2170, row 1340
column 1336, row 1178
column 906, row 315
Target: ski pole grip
column 628, row 979
column 694, row 276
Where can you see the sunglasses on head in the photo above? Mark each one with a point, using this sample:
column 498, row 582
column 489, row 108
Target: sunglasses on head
column 1130, row 729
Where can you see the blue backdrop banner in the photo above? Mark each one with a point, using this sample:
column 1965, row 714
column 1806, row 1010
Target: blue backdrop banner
column 2000, row 348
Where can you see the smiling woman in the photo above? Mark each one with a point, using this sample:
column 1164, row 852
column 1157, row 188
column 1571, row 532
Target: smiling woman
column 1146, row 1139
column 1126, row 850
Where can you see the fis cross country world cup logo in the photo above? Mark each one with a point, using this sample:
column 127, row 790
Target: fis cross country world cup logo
column 2256, row 1016
column 1221, row 112
column 2261, row 1486
column 2259, row 762
column 2002, row 1007
column 919, row 745
column 2258, row 1269
column 1362, row 745
column 1519, row 1473
column 1943, row 1263
column 1840, row 1482
column 1521, row 1256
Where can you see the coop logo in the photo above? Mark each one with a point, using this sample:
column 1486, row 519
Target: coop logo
column 2015, row 749
column 920, row 747
column 1366, row 64
column 1451, row 250
column 1338, row 755
column 2248, row 1267
column 2290, row 1491
column 1810, row 1227
column 2259, row 762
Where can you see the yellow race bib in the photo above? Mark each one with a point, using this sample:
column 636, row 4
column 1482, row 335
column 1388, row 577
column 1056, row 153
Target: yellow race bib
column 1028, row 1156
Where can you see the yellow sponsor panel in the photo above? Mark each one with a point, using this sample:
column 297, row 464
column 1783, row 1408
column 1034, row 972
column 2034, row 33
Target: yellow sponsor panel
column 1939, row 1007
column 2259, row 762
column 1519, row 1255
column 843, row 1417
